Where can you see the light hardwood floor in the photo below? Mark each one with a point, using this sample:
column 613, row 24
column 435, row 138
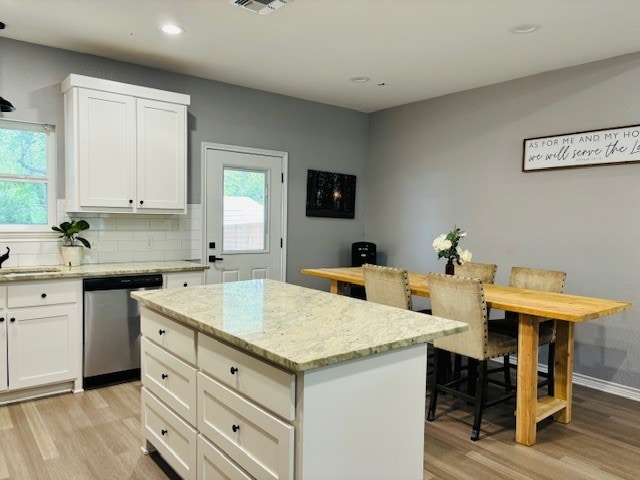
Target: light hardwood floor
column 96, row 435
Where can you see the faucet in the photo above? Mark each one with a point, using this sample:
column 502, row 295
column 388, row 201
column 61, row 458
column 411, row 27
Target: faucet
column 4, row 257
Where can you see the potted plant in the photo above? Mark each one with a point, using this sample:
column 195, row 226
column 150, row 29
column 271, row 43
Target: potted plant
column 72, row 253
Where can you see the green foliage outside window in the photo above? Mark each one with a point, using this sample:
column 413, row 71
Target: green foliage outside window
column 244, row 183
column 23, row 177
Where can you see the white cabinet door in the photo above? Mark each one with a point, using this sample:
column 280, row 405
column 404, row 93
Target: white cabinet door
column 41, row 345
column 107, row 149
column 162, row 151
column 3, row 351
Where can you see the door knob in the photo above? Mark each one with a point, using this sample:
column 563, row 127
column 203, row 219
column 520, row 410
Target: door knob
column 213, row 258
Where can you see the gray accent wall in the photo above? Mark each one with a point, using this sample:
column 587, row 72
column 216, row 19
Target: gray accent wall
column 316, row 136
column 457, row 160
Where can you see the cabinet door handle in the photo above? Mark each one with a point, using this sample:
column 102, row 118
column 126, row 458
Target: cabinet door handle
column 233, row 370
column 1, row 319
column 186, row 284
column 161, row 332
column 164, row 375
column 44, row 295
column 141, row 202
column 130, row 201
column 235, row 428
column 12, row 319
column 164, row 432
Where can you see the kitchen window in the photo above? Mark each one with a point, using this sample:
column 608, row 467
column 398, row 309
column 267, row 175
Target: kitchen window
column 27, row 177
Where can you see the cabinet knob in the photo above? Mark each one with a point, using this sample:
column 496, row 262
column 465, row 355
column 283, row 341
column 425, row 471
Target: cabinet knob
column 186, row 284
column 233, row 370
column 1, row 319
column 161, row 332
column 164, row 432
column 44, row 295
column 164, row 375
column 12, row 319
column 235, row 428
column 130, row 201
column 141, row 202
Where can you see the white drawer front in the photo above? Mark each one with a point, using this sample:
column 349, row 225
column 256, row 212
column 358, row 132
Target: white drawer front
column 176, row 338
column 270, row 386
column 170, row 435
column 30, row 294
column 256, row 440
column 215, row 465
column 3, row 297
column 183, row 279
column 171, row 379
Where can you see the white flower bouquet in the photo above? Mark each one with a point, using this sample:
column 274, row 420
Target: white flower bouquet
column 446, row 245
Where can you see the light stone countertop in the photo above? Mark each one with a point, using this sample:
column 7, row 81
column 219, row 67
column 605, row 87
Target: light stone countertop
column 294, row 327
column 96, row 270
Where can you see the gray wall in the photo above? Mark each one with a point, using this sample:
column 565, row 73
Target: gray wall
column 316, row 136
column 456, row 160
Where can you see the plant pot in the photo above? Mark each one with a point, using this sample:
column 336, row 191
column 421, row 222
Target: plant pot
column 72, row 255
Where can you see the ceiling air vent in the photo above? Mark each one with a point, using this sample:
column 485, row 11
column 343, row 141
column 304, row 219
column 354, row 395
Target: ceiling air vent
column 263, row 7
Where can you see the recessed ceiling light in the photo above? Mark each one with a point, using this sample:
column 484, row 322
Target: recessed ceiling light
column 526, row 28
column 172, row 29
column 360, row 79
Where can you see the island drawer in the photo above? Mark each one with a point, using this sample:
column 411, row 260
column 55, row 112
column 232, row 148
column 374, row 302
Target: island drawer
column 170, row 435
column 270, row 386
column 256, row 440
column 27, row 294
column 170, row 379
column 213, row 464
column 183, row 279
column 176, row 338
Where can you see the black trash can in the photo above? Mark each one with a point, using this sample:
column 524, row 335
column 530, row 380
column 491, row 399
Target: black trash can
column 361, row 253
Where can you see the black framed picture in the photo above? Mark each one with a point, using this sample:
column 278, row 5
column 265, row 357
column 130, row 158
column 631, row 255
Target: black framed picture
column 331, row 194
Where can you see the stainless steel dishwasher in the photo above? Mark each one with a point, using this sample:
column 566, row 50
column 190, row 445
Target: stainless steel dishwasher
column 112, row 328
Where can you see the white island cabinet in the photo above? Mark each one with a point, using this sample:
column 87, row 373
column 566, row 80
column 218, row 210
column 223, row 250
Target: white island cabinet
column 126, row 147
column 262, row 379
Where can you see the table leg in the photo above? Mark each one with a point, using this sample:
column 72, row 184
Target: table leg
column 564, row 368
column 527, row 386
column 337, row 286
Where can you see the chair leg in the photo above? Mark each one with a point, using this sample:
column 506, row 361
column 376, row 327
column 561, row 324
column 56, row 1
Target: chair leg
column 472, row 376
column 481, row 384
column 506, row 369
column 551, row 362
column 431, row 414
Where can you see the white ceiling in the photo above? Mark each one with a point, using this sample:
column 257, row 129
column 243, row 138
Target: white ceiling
column 311, row 48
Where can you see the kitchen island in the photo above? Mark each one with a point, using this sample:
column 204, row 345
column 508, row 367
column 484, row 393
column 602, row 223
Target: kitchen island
column 262, row 379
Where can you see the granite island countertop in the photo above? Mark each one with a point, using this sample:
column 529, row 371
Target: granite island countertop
column 294, row 327
column 96, row 270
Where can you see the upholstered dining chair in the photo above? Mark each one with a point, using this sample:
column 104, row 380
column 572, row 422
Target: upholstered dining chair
column 387, row 285
column 534, row 279
column 461, row 298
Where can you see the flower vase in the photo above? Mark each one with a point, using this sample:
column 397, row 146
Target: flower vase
column 449, row 268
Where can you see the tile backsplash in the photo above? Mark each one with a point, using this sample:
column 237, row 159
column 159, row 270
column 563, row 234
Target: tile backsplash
column 120, row 238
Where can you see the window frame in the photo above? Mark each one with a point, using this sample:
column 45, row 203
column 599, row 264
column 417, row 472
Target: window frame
column 14, row 231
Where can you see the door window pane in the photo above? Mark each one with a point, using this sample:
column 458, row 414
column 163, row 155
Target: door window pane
column 244, row 213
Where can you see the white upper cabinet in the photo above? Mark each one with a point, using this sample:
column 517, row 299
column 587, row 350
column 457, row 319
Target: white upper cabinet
column 126, row 148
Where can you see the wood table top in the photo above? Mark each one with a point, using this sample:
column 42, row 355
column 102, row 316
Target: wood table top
column 561, row 306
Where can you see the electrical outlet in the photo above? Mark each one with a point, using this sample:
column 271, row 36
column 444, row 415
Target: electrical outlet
column 149, row 243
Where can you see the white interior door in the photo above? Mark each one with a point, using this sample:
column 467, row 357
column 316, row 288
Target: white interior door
column 244, row 197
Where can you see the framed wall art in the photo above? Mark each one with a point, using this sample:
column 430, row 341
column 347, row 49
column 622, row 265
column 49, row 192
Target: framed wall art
column 582, row 149
column 330, row 194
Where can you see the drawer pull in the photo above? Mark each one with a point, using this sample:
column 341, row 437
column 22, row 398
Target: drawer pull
column 44, row 295
column 12, row 319
column 164, row 432
column 233, row 370
column 235, row 428
column 164, row 375
column 162, row 332
column 1, row 319
column 186, row 284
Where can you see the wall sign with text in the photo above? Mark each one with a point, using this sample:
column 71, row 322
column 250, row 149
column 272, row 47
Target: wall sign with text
column 582, row 149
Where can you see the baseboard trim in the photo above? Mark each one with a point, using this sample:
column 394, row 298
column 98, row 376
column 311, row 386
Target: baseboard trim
column 591, row 382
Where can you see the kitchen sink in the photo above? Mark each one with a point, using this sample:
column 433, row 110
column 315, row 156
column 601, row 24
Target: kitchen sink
column 27, row 270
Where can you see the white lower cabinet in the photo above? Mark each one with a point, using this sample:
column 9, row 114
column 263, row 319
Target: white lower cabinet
column 240, row 435
column 40, row 330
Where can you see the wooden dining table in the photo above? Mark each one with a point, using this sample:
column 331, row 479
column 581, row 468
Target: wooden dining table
column 532, row 307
